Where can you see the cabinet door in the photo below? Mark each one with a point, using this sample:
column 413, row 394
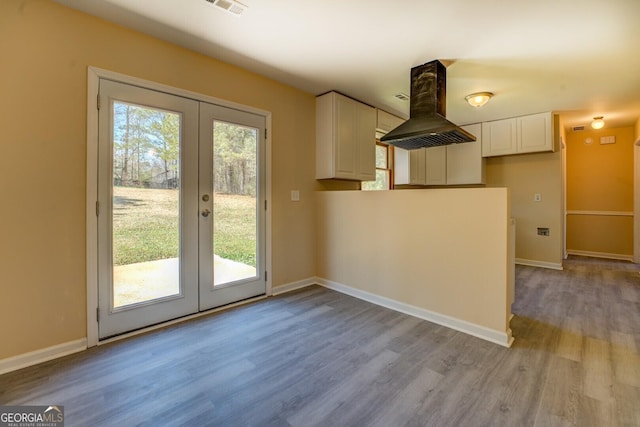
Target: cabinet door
column 417, row 166
column 465, row 164
column 499, row 137
column 346, row 111
column 534, row 133
column 366, row 143
column 325, row 136
column 436, row 165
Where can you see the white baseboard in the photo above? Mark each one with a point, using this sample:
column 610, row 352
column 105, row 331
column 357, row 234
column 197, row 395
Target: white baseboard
column 43, row 355
column 294, row 285
column 543, row 264
column 601, row 255
column 504, row 339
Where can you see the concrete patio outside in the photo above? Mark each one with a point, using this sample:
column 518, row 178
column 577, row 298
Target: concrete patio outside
column 149, row 280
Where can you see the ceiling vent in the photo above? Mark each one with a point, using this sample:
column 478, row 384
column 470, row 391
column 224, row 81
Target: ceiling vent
column 233, row 7
column 402, row 96
column 577, row 128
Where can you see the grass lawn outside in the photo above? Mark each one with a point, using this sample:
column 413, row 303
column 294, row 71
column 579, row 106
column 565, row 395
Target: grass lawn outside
column 145, row 226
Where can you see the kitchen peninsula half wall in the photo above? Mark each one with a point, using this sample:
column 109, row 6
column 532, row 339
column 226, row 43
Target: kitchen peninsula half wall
column 443, row 255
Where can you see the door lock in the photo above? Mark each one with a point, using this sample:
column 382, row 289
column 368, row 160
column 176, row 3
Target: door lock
column 205, row 198
column 205, row 212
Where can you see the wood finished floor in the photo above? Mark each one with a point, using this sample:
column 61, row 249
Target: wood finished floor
column 317, row 357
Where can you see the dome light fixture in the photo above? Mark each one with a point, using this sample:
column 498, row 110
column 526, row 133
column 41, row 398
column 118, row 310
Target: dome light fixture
column 478, row 99
column 598, row 122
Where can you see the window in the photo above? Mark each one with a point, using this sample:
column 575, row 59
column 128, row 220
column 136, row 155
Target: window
column 384, row 169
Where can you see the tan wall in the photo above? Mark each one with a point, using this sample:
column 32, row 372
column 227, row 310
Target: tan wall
column 525, row 175
column 600, row 178
column 46, row 49
column 636, row 195
column 443, row 250
column 610, row 236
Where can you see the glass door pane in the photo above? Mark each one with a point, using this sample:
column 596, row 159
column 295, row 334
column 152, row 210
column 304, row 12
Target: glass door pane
column 234, row 202
column 146, row 204
column 148, row 207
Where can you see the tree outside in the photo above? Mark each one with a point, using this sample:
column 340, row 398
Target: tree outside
column 146, row 180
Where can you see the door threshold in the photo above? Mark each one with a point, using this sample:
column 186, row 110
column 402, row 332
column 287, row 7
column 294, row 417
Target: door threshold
column 178, row 320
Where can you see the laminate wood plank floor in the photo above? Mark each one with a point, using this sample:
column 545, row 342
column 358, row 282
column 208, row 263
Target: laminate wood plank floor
column 315, row 357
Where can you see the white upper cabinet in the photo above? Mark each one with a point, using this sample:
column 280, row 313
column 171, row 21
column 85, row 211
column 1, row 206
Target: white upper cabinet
column 526, row 134
column 423, row 166
column 417, row 166
column 465, row 164
column 345, row 138
column 499, row 137
column 455, row 164
column 535, row 133
column 436, row 166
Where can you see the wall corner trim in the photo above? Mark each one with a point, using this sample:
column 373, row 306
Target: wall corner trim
column 504, row 339
column 42, row 355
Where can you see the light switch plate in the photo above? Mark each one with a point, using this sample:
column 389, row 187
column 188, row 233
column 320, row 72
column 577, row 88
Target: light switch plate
column 295, row 195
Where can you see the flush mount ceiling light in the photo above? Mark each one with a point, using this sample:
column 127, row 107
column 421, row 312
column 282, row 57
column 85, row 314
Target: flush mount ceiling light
column 233, row 7
column 478, row 99
column 598, row 122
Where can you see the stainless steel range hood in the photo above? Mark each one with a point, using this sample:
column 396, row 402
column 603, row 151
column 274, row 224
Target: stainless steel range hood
column 427, row 125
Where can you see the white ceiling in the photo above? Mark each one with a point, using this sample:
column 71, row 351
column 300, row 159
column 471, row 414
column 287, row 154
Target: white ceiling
column 578, row 57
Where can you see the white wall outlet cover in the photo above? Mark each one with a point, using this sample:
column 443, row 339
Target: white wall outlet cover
column 537, row 197
column 295, row 195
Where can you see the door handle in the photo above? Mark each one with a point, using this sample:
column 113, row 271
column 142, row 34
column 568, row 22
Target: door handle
column 205, row 212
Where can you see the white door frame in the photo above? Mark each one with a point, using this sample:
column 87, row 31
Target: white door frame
column 93, row 78
column 563, row 150
column 636, row 199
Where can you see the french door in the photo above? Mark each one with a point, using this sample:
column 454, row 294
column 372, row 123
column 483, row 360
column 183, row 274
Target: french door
column 181, row 218
column 231, row 184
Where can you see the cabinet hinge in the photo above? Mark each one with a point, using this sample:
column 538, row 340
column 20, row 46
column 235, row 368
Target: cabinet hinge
column 97, row 208
column 98, row 101
column 97, row 314
column 265, row 275
column 265, row 133
column 265, row 205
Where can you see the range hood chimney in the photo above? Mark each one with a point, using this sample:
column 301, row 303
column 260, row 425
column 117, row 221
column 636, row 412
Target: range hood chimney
column 427, row 126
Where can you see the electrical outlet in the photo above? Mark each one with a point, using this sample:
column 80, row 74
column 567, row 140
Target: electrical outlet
column 537, row 197
column 295, row 195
